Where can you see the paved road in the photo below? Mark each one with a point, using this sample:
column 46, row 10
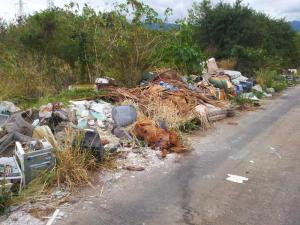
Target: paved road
column 194, row 191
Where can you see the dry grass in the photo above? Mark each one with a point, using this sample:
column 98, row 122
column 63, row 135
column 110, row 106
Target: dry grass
column 73, row 165
column 227, row 64
column 168, row 113
column 162, row 111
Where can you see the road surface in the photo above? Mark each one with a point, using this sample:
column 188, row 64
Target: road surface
column 264, row 147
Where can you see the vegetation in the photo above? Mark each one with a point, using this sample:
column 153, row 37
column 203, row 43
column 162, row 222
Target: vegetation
column 235, row 30
column 5, row 198
column 64, row 97
column 270, row 79
column 45, row 52
column 243, row 103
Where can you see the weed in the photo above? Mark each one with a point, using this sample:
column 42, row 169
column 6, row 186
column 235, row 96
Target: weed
column 270, row 79
column 258, row 94
column 5, row 198
column 280, row 86
column 73, row 164
column 241, row 101
column 190, row 126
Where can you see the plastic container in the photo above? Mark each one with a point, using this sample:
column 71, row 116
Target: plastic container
column 124, row 115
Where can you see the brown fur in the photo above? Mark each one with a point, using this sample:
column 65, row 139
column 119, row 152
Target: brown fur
column 156, row 136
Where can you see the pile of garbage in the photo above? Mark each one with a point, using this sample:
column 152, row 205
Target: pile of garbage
column 29, row 138
column 152, row 112
column 232, row 83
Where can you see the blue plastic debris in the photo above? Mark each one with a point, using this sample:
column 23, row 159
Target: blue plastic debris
column 168, row 86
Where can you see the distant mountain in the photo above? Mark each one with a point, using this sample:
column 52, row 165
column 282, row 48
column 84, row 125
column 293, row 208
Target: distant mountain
column 165, row 26
column 295, row 25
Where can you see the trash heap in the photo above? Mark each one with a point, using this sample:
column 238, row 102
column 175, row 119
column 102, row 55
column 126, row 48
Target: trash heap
column 28, row 139
column 152, row 112
column 231, row 83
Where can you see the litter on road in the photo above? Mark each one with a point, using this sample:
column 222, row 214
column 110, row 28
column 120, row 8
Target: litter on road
column 236, row 178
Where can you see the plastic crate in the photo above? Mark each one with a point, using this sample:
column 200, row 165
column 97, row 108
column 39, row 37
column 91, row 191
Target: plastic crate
column 34, row 162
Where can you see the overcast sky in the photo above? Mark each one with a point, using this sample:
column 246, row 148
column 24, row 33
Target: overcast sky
column 289, row 9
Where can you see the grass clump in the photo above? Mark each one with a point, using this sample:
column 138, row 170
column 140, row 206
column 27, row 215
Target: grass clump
column 5, row 198
column 242, row 102
column 73, row 164
column 190, row 125
column 270, row 79
column 73, row 169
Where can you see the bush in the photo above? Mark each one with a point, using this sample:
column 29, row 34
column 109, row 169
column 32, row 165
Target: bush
column 241, row 101
column 270, row 79
column 280, row 86
column 181, row 51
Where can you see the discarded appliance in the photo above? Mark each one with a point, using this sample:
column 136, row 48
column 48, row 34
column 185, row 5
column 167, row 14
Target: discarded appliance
column 10, row 171
column 34, row 157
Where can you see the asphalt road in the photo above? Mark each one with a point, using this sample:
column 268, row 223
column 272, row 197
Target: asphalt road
column 264, row 147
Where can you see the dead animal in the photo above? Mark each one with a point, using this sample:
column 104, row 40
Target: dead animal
column 157, row 137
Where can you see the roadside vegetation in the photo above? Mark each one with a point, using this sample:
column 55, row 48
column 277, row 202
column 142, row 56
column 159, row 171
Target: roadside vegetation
column 44, row 53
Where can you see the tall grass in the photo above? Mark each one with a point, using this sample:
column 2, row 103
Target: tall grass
column 270, row 79
column 73, row 164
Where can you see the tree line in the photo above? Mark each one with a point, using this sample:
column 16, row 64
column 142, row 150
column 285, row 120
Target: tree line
column 43, row 53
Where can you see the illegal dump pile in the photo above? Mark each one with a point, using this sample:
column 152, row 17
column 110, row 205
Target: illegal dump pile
column 65, row 142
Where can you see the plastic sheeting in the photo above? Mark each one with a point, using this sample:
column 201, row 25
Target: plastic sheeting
column 236, row 76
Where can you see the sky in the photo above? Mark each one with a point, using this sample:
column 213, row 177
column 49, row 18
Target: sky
column 289, row 9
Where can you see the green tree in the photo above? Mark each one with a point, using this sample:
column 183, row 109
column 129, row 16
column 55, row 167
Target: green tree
column 238, row 30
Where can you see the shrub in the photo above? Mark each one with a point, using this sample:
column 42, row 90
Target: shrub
column 270, row 79
column 280, row 86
